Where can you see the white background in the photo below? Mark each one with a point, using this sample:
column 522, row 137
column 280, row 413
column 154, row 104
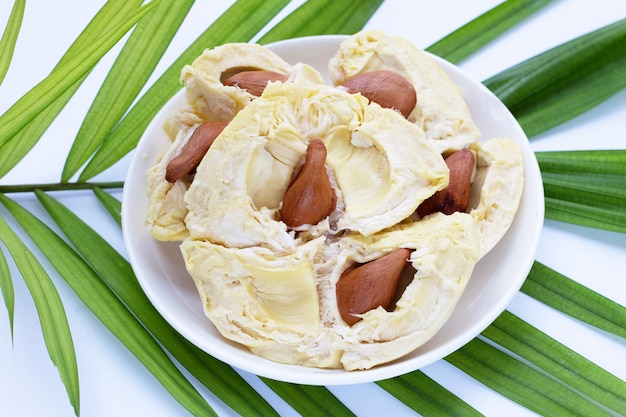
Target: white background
column 114, row 383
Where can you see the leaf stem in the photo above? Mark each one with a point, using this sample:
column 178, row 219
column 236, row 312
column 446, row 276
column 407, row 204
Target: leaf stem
column 59, row 186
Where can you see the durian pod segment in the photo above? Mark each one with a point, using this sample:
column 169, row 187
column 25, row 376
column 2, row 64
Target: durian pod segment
column 209, row 100
column 287, row 294
column 384, row 168
column 251, row 295
column 235, row 196
column 497, row 189
column 441, row 111
column 165, row 215
column 237, row 188
column 446, row 249
column 214, row 101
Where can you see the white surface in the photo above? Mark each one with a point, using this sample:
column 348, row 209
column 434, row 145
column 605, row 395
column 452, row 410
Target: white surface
column 113, row 383
column 495, row 280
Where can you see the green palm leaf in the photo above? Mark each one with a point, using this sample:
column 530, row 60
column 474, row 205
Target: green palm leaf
column 110, row 203
column 76, row 67
column 309, row 400
column 472, row 36
column 20, row 144
column 17, row 146
column 520, row 382
column 323, row 17
column 6, row 286
column 108, row 308
column 566, row 366
column 54, row 325
column 117, row 274
column 132, row 68
column 564, row 82
column 587, row 188
column 574, row 299
column 9, row 37
column 427, row 397
column 59, row 186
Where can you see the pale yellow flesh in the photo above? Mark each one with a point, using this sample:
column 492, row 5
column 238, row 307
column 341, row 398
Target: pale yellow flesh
column 273, row 289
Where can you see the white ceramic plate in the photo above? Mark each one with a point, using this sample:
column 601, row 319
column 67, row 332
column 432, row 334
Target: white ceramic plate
column 496, row 278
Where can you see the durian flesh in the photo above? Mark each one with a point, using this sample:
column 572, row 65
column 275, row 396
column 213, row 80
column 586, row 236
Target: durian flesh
column 283, row 307
column 440, row 111
column 209, row 101
column 272, row 289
